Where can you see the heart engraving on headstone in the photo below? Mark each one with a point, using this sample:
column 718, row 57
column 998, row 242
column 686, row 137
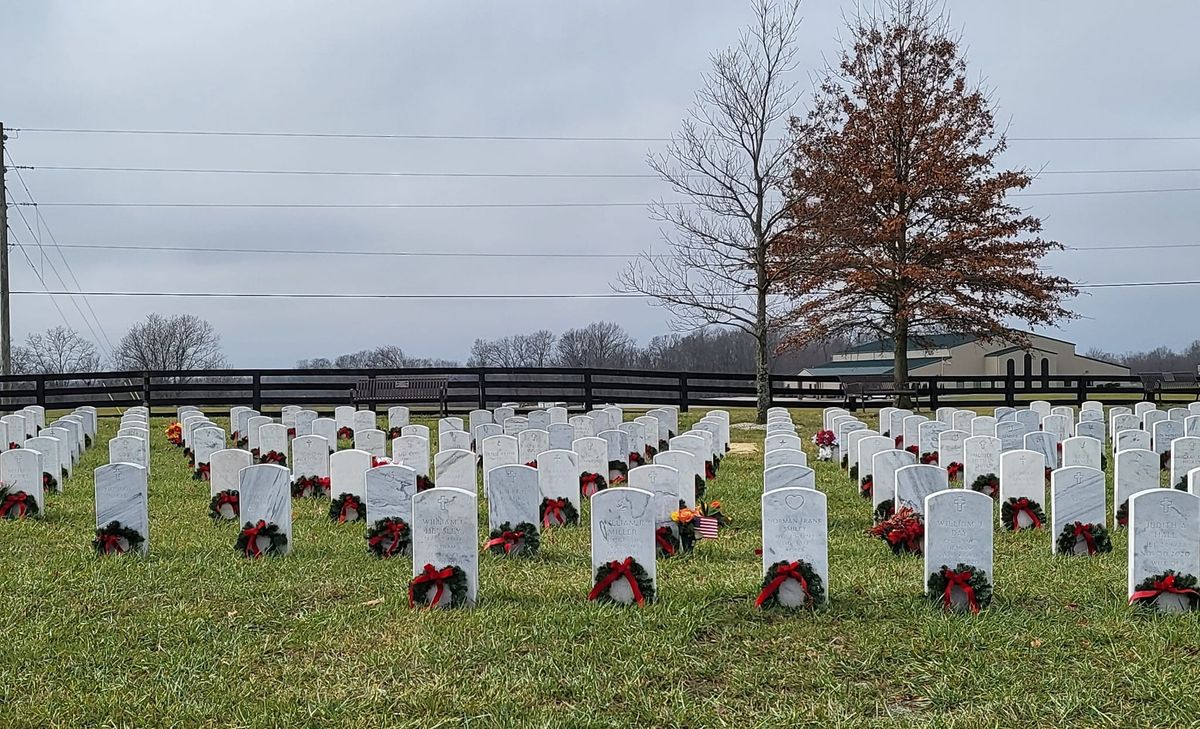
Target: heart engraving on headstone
column 794, row 502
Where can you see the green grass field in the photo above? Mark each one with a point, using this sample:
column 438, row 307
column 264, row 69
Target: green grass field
column 194, row 635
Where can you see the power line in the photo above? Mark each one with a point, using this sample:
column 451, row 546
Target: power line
column 467, row 297
column 480, row 175
column 482, row 254
column 70, row 271
column 460, row 206
column 42, row 281
column 334, row 252
column 507, row 137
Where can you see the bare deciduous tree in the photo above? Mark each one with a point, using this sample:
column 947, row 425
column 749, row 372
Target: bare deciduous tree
column 180, row 342
column 726, row 165
column 599, row 344
column 55, row 351
column 518, row 350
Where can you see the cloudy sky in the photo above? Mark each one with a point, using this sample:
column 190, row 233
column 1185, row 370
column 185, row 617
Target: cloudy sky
column 614, row 68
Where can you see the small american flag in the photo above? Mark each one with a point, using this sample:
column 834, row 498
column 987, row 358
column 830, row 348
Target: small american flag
column 706, row 527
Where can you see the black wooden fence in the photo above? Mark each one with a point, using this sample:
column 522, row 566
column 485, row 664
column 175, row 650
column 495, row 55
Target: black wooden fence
column 473, row 387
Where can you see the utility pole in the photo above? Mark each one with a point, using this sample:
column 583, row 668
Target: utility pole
column 5, row 322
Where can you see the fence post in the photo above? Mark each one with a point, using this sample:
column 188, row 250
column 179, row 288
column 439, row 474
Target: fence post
column 40, row 385
column 1010, row 386
column 481, row 377
column 588, row 403
column 933, row 394
column 146, row 388
column 683, row 393
column 256, row 391
column 1081, row 391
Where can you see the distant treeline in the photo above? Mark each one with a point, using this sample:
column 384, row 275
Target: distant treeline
column 1160, row 359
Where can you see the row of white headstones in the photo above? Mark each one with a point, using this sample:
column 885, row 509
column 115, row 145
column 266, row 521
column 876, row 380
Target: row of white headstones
column 1164, row 534
column 521, row 467
column 38, row 458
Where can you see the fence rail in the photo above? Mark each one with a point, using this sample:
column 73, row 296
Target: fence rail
column 475, row 387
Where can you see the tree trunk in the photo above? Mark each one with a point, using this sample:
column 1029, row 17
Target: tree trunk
column 762, row 375
column 900, row 362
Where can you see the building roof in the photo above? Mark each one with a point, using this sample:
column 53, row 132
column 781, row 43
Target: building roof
column 868, row 366
column 922, row 341
column 1010, row 350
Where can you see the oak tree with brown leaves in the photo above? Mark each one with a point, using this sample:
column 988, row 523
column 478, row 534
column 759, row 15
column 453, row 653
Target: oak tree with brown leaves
column 908, row 230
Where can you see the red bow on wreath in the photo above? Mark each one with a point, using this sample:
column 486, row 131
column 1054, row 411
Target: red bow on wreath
column 961, row 580
column 14, row 446
column 393, row 530
column 1085, row 531
column 635, row 458
column 251, row 533
column 204, row 470
column 348, row 503
column 227, row 498
column 1024, row 506
column 376, row 462
column 554, row 508
column 291, row 432
column 619, row 570
column 588, row 482
column 429, row 576
column 1161, row 587
column 19, row 501
column 783, row 573
column 109, row 543
column 660, row 537
column 710, row 472
column 508, row 539
column 532, row 464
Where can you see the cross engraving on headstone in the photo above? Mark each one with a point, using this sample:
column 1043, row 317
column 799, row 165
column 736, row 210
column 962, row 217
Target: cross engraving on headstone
column 1168, row 506
column 444, row 502
column 1079, row 477
column 959, row 503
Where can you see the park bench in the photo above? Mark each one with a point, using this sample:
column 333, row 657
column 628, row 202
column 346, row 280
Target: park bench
column 399, row 389
column 1156, row 384
column 860, row 389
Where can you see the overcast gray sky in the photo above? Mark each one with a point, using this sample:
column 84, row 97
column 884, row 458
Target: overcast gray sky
column 613, row 68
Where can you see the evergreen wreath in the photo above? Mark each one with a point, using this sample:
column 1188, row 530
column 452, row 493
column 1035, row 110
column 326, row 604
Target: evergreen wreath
column 1094, row 536
column 904, row 532
column 629, row 570
column 279, row 459
column 886, row 510
column 971, row 580
column 1164, row 461
column 710, row 471
column 291, row 433
column 854, row 472
column 451, row 577
column 845, row 461
column 701, row 488
column 108, row 539
column 16, row 504
column 424, row 483
column 590, row 484
column 1123, row 513
column 316, row 487
column 929, row 458
column 247, row 541
column 202, row 472
column 521, row 540
column 13, row 446
column 621, row 470
column 242, row 442
column 718, row 459
column 389, row 537
column 635, row 458
column 557, row 512
column 913, row 450
column 345, row 433
column 651, row 452
column 1168, row 583
column 395, row 432
column 1182, row 484
column 217, row 504
column 49, row 482
column 989, row 484
column 866, row 487
column 254, row 454
column 87, row 441
column 340, row 508
column 1012, row 510
column 799, row 571
column 954, row 471
column 665, row 542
